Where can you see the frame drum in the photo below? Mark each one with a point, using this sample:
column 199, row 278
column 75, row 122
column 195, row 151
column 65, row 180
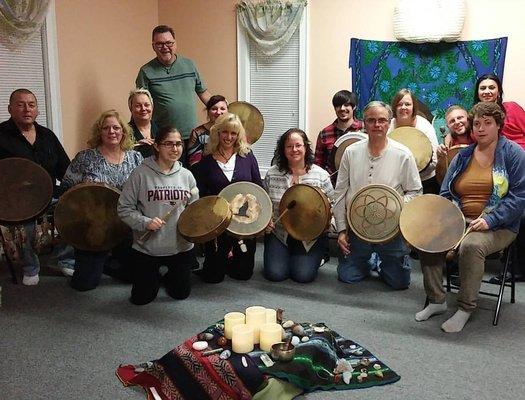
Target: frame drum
column 310, row 216
column 417, row 142
column 204, row 219
column 251, row 118
column 26, row 189
column 431, row 223
column 340, row 146
column 86, row 217
column 373, row 213
column 251, row 208
column 444, row 162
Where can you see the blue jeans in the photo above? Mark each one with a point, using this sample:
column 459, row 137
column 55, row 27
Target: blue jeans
column 394, row 270
column 30, row 262
column 282, row 262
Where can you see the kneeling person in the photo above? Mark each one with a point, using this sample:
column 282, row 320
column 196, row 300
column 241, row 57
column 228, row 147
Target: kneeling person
column 376, row 160
column 158, row 186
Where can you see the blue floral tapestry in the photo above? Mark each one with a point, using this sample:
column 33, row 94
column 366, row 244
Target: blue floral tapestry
column 440, row 74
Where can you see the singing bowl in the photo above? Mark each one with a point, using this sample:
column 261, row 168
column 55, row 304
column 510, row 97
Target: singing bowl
column 282, row 351
column 431, row 223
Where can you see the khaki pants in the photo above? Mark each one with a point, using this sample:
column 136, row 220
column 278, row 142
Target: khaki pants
column 472, row 252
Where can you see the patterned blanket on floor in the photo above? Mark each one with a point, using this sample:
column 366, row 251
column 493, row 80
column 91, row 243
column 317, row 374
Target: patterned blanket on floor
column 324, row 361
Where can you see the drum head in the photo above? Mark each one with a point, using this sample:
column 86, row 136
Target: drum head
column 204, row 219
column 310, row 216
column 431, row 223
column 417, row 142
column 251, row 208
column 251, row 118
column 373, row 213
column 341, row 144
column 444, row 162
column 26, row 190
column 86, row 217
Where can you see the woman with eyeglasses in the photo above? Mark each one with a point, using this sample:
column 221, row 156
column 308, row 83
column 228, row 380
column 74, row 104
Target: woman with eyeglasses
column 285, row 257
column 159, row 186
column 227, row 159
column 215, row 107
column 109, row 159
column 405, row 108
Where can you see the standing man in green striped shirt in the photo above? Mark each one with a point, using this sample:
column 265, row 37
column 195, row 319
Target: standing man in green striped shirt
column 172, row 81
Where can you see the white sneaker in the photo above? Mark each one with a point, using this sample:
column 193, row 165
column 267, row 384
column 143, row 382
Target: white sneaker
column 30, row 280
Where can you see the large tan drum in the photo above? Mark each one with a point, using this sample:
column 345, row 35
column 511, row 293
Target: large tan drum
column 310, row 216
column 418, row 143
column 204, row 219
column 340, row 146
column 26, row 190
column 444, row 161
column 373, row 213
column 86, row 217
column 251, row 209
column 431, row 223
column 251, row 118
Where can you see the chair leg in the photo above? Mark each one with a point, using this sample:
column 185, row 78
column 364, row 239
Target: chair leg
column 502, row 285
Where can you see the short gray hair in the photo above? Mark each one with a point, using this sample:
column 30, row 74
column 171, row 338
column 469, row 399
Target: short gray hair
column 136, row 92
column 377, row 103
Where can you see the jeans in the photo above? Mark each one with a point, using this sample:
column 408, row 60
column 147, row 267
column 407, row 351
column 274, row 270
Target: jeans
column 88, row 269
column 292, row 261
column 395, row 267
column 30, row 262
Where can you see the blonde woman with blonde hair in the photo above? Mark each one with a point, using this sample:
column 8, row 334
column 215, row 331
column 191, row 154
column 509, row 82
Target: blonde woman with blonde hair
column 140, row 105
column 109, row 159
column 227, row 159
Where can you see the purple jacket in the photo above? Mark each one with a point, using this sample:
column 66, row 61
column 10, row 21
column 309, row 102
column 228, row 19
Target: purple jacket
column 211, row 180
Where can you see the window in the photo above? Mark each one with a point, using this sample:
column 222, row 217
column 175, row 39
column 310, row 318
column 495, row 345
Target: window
column 276, row 85
column 34, row 66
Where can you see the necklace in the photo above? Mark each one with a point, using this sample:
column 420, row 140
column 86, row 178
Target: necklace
column 226, row 159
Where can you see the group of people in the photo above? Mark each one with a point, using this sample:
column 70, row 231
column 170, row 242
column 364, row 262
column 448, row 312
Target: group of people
column 161, row 151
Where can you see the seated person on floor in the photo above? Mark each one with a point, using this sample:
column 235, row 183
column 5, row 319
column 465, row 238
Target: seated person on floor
column 285, row 257
column 376, row 160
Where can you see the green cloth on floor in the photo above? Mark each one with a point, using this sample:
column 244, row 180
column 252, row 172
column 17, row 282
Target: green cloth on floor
column 277, row 389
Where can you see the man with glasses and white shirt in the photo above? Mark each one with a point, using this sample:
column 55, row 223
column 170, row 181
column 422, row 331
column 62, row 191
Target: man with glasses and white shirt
column 172, row 81
column 376, row 160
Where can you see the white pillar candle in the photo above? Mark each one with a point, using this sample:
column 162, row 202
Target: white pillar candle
column 270, row 334
column 271, row 316
column 230, row 320
column 255, row 317
column 242, row 338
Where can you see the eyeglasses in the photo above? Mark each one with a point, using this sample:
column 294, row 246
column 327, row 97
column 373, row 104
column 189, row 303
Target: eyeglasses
column 160, row 45
column 171, row 145
column 116, row 128
column 373, row 121
column 295, row 146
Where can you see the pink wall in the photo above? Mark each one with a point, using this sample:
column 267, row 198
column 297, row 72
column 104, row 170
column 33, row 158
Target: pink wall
column 101, row 45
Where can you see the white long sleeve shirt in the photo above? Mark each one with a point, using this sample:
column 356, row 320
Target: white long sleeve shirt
column 395, row 167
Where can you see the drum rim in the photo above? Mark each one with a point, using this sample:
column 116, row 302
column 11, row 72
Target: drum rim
column 349, row 208
column 350, row 135
column 418, row 199
column 42, row 209
column 269, row 204
column 214, row 232
column 322, row 196
column 60, row 204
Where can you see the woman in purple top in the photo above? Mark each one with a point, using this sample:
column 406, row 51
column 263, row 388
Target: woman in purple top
column 227, row 159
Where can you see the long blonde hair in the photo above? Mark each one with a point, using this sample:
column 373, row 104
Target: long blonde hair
column 126, row 143
column 231, row 123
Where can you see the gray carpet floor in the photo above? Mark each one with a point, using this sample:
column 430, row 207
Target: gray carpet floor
column 56, row 343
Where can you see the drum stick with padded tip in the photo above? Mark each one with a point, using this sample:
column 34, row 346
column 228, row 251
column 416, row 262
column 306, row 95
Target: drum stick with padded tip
column 469, row 229
column 289, row 206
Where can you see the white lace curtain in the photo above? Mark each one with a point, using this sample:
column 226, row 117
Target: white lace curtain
column 21, row 19
column 270, row 23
